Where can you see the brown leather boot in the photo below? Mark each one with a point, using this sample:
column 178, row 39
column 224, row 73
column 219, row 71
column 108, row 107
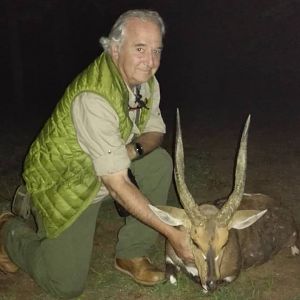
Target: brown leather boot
column 141, row 270
column 6, row 265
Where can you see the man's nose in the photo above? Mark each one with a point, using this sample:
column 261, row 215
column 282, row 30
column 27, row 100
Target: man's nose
column 150, row 59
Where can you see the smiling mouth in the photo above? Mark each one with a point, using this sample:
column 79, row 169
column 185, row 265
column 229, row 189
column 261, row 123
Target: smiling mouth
column 145, row 71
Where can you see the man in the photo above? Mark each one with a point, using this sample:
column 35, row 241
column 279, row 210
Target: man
column 98, row 131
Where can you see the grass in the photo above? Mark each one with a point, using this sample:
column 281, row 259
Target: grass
column 104, row 282
column 112, row 285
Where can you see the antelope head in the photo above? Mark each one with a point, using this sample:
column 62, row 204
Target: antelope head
column 207, row 225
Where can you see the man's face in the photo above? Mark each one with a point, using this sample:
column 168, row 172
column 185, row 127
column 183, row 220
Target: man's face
column 138, row 56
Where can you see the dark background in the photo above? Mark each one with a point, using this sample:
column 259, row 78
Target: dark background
column 223, row 57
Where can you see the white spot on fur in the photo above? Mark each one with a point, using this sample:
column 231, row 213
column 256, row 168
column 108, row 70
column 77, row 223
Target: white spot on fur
column 295, row 250
column 169, row 260
column 173, row 280
column 205, row 290
column 229, row 278
column 192, row 270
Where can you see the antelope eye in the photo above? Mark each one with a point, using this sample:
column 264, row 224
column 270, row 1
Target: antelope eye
column 220, row 253
column 204, row 256
column 194, row 243
column 224, row 245
column 200, row 249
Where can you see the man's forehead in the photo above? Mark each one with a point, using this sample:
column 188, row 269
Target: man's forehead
column 141, row 33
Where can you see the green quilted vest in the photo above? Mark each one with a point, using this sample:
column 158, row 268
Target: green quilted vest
column 59, row 176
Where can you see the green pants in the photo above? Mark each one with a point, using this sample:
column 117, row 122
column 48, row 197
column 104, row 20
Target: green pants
column 60, row 266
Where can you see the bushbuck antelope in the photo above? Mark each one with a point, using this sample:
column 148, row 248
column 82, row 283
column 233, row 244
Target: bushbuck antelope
column 221, row 239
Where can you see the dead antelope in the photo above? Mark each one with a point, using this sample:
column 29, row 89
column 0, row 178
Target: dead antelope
column 221, row 239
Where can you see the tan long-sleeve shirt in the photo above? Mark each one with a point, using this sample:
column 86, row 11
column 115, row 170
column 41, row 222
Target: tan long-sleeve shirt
column 97, row 128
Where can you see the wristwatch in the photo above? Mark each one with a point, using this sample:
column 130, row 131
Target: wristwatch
column 138, row 149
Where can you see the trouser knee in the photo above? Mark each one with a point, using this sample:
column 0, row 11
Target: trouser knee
column 160, row 162
column 154, row 174
column 166, row 162
column 66, row 289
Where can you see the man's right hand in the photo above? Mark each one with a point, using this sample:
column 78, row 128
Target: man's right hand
column 181, row 243
column 130, row 197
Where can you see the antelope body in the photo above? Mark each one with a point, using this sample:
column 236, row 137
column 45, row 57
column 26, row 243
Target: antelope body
column 229, row 235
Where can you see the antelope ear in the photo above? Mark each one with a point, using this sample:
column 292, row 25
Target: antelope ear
column 165, row 217
column 245, row 218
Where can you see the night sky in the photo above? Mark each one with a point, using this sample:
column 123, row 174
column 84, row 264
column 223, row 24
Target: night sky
column 241, row 56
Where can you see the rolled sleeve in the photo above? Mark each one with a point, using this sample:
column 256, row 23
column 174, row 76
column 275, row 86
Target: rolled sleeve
column 111, row 162
column 98, row 134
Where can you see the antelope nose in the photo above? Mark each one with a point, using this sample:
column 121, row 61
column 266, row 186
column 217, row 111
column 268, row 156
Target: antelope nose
column 212, row 285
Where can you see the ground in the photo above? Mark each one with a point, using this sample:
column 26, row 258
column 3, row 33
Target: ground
column 210, row 142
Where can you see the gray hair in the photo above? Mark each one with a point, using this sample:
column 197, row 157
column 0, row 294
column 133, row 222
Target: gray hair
column 117, row 32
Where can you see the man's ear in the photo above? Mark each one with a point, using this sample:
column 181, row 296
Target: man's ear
column 165, row 217
column 114, row 51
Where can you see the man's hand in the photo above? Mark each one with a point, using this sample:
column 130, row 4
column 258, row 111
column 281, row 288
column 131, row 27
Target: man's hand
column 180, row 241
column 128, row 195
